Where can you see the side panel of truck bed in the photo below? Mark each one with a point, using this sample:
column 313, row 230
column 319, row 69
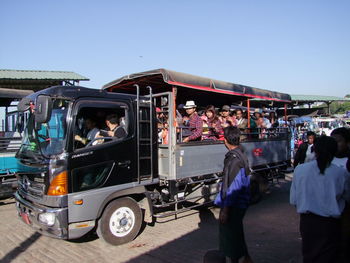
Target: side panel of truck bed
column 202, row 159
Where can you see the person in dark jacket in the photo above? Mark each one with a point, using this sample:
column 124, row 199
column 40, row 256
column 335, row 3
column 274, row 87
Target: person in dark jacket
column 233, row 199
column 305, row 152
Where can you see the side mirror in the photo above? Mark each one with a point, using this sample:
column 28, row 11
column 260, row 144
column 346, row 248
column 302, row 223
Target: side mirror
column 43, row 109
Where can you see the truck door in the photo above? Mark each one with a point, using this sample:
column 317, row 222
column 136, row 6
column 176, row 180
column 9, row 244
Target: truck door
column 99, row 160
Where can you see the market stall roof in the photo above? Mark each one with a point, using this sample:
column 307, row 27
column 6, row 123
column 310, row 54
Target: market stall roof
column 159, row 77
column 39, row 74
column 304, row 99
column 37, row 79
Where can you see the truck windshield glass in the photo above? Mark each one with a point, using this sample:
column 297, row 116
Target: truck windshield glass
column 45, row 139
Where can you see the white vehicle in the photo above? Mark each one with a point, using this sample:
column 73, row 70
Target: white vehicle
column 326, row 125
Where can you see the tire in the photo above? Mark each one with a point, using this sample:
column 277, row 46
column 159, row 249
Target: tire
column 120, row 222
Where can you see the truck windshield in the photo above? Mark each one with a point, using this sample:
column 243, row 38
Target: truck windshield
column 45, row 139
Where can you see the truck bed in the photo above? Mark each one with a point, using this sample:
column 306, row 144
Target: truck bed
column 202, row 158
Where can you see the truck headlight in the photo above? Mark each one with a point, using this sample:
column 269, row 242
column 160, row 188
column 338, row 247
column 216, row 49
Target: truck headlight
column 47, row 218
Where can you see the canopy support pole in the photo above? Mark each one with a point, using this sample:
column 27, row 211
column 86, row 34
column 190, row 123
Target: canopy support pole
column 248, row 112
column 174, row 91
column 329, row 106
column 285, row 114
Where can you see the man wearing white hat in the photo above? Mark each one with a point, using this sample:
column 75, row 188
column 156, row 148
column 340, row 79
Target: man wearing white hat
column 193, row 121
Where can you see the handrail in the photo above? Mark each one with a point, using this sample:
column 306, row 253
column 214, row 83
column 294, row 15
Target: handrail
column 138, row 130
column 151, row 128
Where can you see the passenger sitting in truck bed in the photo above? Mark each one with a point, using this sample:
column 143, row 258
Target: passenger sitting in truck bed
column 225, row 118
column 193, row 121
column 273, row 119
column 261, row 125
column 113, row 128
column 181, row 129
column 213, row 125
column 241, row 121
column 163, row 134
column 256, row 114
column 267, row 122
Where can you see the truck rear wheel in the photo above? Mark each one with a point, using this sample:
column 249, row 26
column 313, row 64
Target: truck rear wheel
column 120, row 222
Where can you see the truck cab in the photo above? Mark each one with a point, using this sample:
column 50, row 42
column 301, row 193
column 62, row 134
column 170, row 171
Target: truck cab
column 69, row 185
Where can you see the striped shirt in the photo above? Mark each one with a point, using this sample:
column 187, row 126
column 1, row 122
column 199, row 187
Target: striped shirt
column 196, row 126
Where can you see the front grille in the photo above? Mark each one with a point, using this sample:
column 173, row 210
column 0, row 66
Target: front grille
column 32, row 184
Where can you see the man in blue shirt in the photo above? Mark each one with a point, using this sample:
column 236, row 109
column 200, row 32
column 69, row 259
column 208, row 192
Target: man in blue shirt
column 233, row 199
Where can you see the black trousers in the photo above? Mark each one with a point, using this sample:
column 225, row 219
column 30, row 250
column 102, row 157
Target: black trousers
column 320, row 238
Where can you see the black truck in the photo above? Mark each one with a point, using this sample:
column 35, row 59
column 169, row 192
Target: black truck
column 112, row 185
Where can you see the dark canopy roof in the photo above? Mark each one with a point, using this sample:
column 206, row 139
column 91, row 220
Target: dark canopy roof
column 160, row 76
column 9, row 95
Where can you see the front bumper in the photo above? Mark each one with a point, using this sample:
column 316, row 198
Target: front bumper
column 29, row 214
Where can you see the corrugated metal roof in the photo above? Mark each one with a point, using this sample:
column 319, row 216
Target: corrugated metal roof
column 39, row 75
column 319, row 98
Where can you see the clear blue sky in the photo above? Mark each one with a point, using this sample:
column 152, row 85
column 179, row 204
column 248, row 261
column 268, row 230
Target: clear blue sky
column 297, row 47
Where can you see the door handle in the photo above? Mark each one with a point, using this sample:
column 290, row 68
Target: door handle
column 124, row 163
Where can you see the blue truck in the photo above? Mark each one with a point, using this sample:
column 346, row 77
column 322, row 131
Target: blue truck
column 10, row 140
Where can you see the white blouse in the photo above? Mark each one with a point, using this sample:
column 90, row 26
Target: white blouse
column 321, row 194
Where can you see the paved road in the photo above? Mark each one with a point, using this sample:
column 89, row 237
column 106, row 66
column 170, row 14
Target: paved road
column 271, row 232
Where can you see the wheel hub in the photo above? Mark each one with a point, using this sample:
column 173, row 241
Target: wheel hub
column 122, row 221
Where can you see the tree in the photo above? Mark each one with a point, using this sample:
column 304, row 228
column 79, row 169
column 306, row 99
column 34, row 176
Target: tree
column 338, row 107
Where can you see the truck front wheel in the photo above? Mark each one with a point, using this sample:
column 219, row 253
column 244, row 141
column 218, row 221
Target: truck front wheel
column 120, row 222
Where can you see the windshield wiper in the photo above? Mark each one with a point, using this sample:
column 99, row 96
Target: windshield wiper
column 29, row 155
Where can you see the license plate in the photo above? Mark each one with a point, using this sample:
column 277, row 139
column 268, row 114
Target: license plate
column 25, row 218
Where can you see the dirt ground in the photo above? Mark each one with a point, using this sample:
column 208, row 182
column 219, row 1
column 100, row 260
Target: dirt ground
column 271, row 228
